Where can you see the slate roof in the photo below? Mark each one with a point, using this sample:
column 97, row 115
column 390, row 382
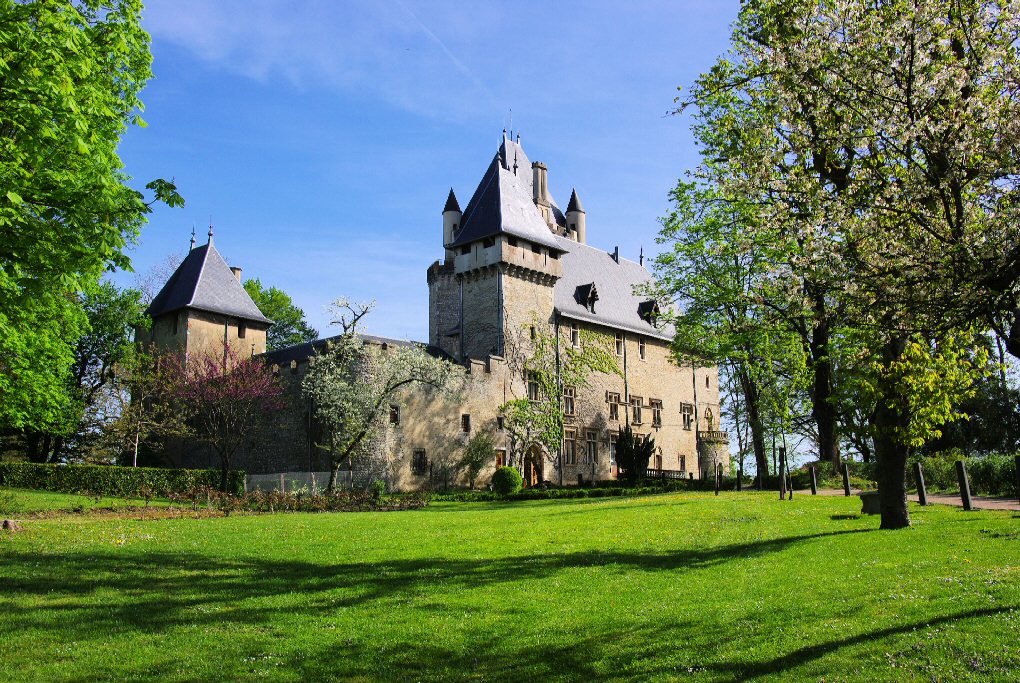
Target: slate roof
column 504, row 203
column 575, row 202
column 302, row 352
column 451, row 202
column 618, row 306
column 204, row 282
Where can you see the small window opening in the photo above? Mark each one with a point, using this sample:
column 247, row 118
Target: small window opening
column 465, row 423
column 465, row 250
column 242, row 329
column 500, row 422
column 641, row 348
column 419, row 463
column 394, row 414
column 488, row 242
column 575, row 335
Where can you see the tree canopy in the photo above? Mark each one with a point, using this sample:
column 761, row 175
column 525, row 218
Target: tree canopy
column 70, row 77
column 880, row 139
column 289, row 324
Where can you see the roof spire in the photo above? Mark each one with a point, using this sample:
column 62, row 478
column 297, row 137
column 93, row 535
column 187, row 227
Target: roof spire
column 192, row 236
column 575, row 202
column 451, row 202
column 641, row 257
column 210, row 228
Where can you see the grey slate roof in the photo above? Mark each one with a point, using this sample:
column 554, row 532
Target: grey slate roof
column 302, row 352
column 618, row 306
column 204, row 282
column 504, row 203
column 575, row 203
column 451, row 202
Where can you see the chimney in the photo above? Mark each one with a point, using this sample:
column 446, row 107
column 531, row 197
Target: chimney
column 236, row 270
column 616, row 254
column 540, row 192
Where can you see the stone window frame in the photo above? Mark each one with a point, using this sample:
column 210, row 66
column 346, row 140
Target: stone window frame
column 591, row 446
column 641, row 348
column 534, row 391
column 637, row 404
column 569, row 396
column 500, row 423
column 394, row 414
column 613, row 436
column 687, row 415
column 419, row 461
column 619, row 344
column 613, row 399
column 575, row 335
column 570, row 446
column 465, row 423
column 656, row 406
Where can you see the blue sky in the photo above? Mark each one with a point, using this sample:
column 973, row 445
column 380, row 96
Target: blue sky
column 322, row 137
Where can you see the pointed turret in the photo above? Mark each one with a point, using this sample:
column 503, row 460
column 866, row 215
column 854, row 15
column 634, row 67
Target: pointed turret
column 451, row 221
column 576, row 221
column 451, row 202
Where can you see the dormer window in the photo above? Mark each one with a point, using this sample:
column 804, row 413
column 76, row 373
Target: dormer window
column 465, row 250
column 587, row 295
column 649, row 311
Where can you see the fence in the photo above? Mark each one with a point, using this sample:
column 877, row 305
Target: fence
column 294, row 481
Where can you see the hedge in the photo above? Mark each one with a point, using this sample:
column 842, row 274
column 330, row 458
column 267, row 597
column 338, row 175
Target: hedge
column 111, row 480
column 990, row 475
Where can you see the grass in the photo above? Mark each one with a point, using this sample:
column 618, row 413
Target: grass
column 15, row 502
column 667, row 587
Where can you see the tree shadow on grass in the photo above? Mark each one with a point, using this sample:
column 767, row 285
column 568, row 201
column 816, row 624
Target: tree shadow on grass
column 85, row 593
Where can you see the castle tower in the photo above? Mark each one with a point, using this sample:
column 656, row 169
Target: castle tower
column 503, row 261
column 577, row 229
column 202, row 308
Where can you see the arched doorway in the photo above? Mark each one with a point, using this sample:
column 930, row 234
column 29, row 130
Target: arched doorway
column 533, row 461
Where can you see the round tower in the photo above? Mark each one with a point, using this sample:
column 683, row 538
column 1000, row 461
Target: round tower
column 576, row 228
column 451, row 222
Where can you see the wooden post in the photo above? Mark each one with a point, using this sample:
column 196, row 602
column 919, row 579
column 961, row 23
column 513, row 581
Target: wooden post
column 922, row 492
column 846, row 479
column 740, row 477
column 782, row 473
column 961, row 474
column 814, row 480
column 718, row 477
column 283, row 484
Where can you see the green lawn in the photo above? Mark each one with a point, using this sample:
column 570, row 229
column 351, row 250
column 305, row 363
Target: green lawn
column 14, row 502
column 684, row 586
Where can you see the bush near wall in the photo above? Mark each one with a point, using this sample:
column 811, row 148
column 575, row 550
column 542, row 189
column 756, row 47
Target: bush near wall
column 111, row 480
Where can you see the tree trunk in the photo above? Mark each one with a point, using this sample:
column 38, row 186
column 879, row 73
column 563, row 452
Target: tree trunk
column 751, row 402
column 32, row 441
column 891, row 416
column 224, row 474
column 332, row 476
column 822, row 409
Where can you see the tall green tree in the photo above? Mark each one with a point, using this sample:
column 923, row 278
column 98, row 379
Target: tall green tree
column 70, row 76
column 716, row 273
column 882, row 138
column 289, row 324
column 112, row 315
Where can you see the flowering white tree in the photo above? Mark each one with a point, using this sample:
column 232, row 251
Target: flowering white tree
column 882, row 138
column 351, row 384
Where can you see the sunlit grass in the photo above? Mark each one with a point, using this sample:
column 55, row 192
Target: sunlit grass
column 738, row 586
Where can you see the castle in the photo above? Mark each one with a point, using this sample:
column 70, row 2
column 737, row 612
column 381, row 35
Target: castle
column 513, row 260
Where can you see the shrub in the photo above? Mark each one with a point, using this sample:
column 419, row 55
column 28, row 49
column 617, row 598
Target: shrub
column 377, row 489
column 507, row 481
column 112, row 480
column 993, row 474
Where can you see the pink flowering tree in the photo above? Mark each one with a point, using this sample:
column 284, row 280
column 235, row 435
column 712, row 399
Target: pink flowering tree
column 226, row 396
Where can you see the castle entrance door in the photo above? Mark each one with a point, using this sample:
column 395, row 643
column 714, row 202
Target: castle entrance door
column 533, row 466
